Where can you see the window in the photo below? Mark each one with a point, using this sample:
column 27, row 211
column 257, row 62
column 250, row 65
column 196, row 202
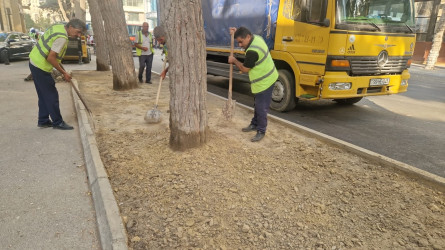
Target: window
column 14, row 37
column 133, row 17
column 25, row 37
column 308, row 11
column 134, row 3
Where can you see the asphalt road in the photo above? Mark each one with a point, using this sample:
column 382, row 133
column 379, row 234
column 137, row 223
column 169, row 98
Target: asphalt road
column 407, row 127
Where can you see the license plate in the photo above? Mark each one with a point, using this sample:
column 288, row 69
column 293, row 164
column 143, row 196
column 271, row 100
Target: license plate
column 378, row 82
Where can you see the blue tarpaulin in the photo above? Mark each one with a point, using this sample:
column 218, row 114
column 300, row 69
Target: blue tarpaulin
column 258, row 16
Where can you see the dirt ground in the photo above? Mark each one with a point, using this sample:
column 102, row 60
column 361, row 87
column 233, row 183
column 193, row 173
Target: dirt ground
column 288, row 191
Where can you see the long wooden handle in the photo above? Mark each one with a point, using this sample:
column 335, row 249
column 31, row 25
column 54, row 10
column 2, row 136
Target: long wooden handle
column 232, row 41
column 160, row 82
column 80, row 97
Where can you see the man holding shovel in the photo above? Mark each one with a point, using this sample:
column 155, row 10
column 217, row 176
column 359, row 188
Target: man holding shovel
column 262, row 75
column 46, row 55
column 160, row 37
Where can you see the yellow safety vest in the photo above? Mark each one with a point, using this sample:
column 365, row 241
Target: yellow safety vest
column 264, row 73
column 138, row 50
column 40, row 52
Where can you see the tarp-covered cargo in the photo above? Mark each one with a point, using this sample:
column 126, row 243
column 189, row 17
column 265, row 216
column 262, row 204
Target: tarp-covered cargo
column 258, row 16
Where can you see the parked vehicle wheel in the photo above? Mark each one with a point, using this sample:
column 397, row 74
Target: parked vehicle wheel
column 88, row 58
column 283, row 95
column 348, row 101
column 4, row 57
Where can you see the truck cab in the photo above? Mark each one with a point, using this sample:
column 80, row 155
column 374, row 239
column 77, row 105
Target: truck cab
column 342, row 50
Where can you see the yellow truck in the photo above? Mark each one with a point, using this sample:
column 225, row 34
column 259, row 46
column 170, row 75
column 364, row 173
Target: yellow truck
column 342, row 50
column 76, row 45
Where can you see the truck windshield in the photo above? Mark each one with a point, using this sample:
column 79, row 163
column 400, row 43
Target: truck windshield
column 394, row 16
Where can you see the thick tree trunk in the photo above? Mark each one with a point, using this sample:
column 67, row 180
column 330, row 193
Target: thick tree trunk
column 62, row 9
column 182, row 21
column 437, row 42
column 102, row 58
column 119, row 45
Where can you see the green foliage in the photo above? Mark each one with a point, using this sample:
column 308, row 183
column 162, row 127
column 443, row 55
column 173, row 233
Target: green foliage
column 43, row 23
column 29, row 23
column 53, row 5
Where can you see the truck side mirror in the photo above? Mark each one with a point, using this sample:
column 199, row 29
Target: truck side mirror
column 326, row 22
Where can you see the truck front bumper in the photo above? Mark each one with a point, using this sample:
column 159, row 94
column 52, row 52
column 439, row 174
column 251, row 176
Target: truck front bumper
column 335, row 85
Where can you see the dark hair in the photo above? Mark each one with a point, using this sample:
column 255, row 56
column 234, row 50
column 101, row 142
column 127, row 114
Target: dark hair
column 77, row 24
column 242, row 32
column 159, row 31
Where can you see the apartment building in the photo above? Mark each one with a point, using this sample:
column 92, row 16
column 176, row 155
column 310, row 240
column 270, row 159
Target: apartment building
column 11, row 16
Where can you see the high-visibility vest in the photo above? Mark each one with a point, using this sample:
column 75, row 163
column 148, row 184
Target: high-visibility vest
column 139, row 41
column 264, row 73
column 40, row 52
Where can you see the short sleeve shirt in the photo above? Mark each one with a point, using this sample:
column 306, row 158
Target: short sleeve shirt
column 251, row 57
column 146, row 43
column 57, row 46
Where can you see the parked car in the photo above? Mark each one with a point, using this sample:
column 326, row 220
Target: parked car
column 14, row 45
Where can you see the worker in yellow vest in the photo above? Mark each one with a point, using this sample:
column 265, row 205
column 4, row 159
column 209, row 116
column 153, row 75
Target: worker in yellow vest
column 145, row 51
column 262, row 75
column 160, row 36
column 46, row 55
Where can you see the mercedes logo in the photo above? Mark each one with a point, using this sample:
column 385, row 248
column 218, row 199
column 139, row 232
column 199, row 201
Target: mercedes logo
column 382, row 59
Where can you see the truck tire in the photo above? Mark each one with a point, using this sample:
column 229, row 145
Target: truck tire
column 348, row 101
column 4, row 57
column 283, row 95
column 88, row 58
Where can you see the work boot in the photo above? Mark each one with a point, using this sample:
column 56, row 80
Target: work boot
column 259, row 135
column 63, row 126
column 249, row 128
column 47, row 124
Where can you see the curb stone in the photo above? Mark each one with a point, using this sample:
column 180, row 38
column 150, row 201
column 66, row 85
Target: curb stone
column 420, row 175
column 111, row 229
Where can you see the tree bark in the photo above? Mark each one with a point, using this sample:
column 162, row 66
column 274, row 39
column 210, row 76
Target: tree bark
column 102, row 57
column 437, row 42
column 183, row 23
column 124, row 75
column 62, row 9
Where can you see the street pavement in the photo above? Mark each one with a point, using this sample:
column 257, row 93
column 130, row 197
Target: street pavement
column 44, row 194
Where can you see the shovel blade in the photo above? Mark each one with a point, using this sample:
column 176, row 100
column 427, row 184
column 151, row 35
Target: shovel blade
column 153, row 116
column 229, row 110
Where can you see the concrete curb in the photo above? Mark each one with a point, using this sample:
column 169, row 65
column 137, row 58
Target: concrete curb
column 425, row 177
column 109, row 222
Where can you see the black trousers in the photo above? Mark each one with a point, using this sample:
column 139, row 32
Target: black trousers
column 48, row 96
column 261, row 108
column 145, row 61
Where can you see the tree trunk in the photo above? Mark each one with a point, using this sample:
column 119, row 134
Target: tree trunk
column 102, row 57
column 62, row 9
column 119, row 45
column 437, row 42
column 183, row 23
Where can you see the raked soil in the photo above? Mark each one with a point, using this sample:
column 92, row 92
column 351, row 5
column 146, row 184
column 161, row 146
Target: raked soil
column 288, row 191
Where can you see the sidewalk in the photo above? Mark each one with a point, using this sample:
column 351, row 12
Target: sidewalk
column 45, row 200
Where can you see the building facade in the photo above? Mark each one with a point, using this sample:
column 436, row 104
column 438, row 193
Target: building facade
column 11, row 16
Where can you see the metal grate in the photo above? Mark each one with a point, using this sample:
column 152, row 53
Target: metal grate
column 369, row 66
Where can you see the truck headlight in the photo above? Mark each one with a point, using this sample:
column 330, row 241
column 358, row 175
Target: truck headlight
column 404, row 82
column 340, row 86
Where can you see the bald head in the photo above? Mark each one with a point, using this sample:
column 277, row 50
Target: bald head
column 145, row 27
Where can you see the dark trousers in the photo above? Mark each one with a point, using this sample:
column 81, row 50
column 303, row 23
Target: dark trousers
column 48, row 96
column 261, row 108
column 145, row 61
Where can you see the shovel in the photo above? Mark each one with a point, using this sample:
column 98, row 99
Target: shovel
column 229, row 108
column 154, row 115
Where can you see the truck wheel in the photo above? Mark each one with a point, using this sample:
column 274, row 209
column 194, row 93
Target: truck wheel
column 348, row 101
column 88, row 58
column 4, row 57
column 283, row 95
